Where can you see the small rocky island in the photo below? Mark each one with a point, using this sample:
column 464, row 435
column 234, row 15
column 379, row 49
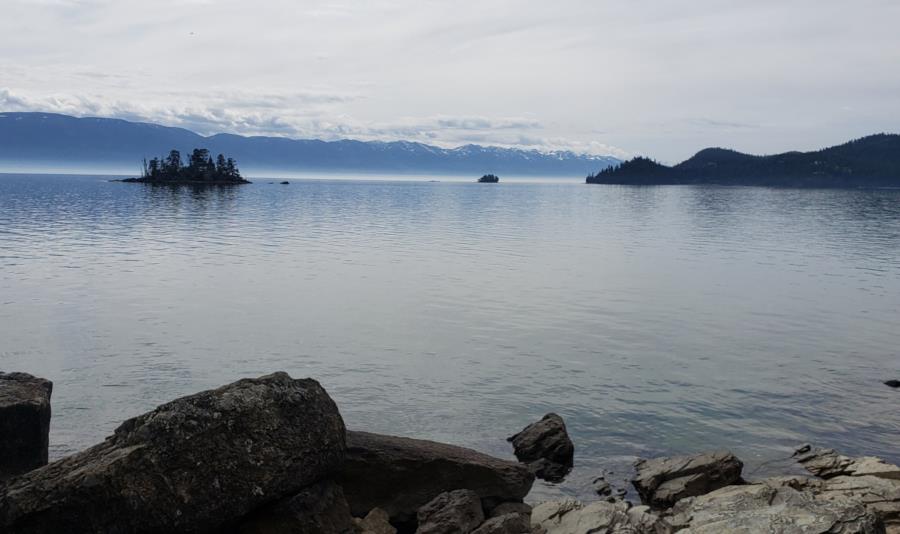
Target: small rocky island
column 200, row 169
column 489, row 179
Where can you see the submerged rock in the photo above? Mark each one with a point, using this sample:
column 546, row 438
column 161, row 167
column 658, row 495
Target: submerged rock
column 662, row 481
column 196, row 464
column 545, row 446
column 767, row 507
column 400, row 475
column 602, row 487
column 453, row 512
column 318, row 509
column 24, row 423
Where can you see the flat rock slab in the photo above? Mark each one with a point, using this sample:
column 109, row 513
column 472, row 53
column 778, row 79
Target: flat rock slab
column 400, row 475
column 196, row 464
column 880, row 496
column 661, row 482
column 24, row 423
column 573, row 517
column 827, row 463
column 771, row 508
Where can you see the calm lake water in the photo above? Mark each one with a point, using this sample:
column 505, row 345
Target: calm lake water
column 656, row 320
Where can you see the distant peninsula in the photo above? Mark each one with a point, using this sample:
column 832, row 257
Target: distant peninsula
column 872, row 161
column 200, row 169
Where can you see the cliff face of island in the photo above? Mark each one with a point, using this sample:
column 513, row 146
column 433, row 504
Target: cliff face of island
column 200, row 169
column 872, row 161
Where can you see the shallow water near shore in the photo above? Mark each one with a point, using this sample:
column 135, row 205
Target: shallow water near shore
column 655, row 320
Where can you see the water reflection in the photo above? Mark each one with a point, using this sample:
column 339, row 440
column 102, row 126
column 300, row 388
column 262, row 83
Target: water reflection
column 655, row 319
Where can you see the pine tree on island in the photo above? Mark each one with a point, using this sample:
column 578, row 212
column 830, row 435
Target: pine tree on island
column 200, row 169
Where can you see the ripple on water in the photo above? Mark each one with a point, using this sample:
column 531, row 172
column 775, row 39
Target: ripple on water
column 655, row 320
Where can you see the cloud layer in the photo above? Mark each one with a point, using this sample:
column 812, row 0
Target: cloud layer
column 656, row 78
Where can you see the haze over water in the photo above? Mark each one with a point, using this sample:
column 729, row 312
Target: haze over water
column 655, row 320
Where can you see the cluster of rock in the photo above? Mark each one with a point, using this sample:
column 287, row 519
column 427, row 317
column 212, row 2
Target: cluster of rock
column 271, row 455
column 267, row 455
column 705, row 494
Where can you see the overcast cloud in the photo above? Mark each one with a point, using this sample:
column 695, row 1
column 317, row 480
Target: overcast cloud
column 662, row 78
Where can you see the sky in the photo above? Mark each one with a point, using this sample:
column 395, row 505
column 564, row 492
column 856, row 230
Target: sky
column 661, row 78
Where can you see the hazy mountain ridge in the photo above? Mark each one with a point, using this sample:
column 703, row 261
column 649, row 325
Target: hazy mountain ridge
column 872, row 161
column 41, row 138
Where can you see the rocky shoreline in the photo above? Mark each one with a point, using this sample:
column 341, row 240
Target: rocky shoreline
column 271, row 455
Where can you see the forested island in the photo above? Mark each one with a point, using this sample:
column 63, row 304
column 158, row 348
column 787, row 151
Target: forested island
column 199, row 169
column 489, row 179
column 872, row 161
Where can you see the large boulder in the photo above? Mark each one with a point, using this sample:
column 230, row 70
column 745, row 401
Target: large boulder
column 400, row 475
column 771, row 507
column 318, row 509
column 545, row 446
column 24, row 423
column 572, row 517
column 661, row 482
column 196, row 464
column 452, row 512
column 827, row 463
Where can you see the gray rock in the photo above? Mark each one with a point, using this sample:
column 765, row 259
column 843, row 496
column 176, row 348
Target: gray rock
column 770, row 508
column 880, row 496
column 512, row 523
column 546, row 446
column 661, row 482
column 24, row 423
column 452, row 512
column 573, row 517
column 400, row 475
column 375, row 522
column 511, row 508
column 826, row 463
column 602, row 487
column 318, row 509
column 196, row 464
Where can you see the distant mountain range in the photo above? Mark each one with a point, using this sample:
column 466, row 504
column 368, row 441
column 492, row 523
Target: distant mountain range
column 46, row 140
column 872, row 161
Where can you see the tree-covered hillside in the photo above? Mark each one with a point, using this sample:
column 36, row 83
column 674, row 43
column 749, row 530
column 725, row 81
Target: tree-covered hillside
column 872, row 161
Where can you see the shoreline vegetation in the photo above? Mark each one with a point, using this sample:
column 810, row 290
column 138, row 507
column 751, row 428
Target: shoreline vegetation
column 271, row 455
column 199, row 169
column 872, row 161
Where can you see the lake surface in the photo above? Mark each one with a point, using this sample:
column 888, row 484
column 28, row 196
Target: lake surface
column 656, row 320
